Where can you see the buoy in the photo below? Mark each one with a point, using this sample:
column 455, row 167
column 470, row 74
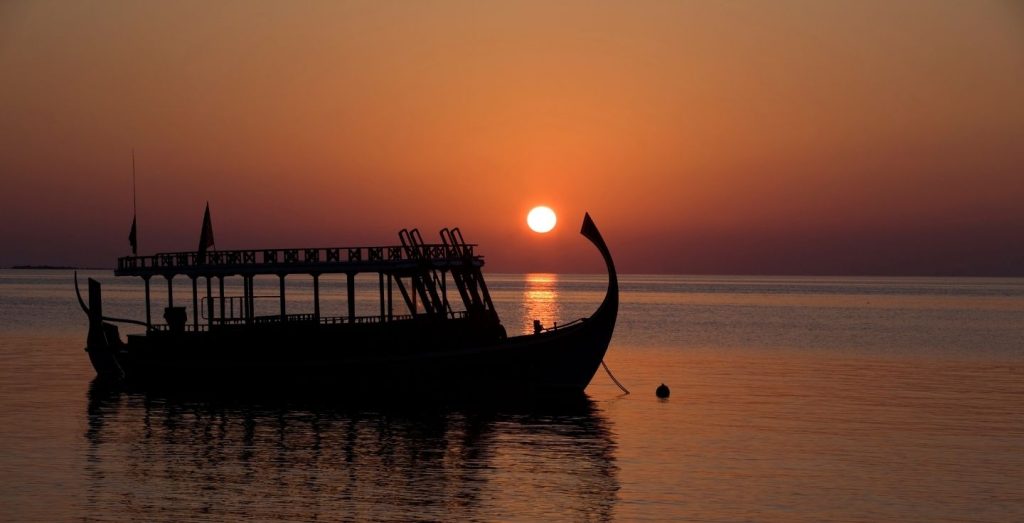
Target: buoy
column 662, row 391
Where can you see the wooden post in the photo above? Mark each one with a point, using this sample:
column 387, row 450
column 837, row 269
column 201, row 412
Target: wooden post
column 391, row 303
column 96, row 335
column 316, row 298
column 149, row 310
column 283, row 314
column 351, row 297
column 195, row 304
column 382, row 310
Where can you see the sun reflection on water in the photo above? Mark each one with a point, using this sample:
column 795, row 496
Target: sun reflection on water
column 540, row 300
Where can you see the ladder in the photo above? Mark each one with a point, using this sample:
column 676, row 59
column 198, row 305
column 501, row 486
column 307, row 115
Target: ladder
column 467, row 277
column 425, row 280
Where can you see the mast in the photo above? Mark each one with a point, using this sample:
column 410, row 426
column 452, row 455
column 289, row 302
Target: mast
column 133, row 181
column 135, row 214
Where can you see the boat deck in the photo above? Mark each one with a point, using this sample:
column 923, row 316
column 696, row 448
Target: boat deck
column 420, row 271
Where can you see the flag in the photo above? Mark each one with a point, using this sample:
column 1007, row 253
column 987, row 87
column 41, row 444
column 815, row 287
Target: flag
column 133, row 239
column 206, row 236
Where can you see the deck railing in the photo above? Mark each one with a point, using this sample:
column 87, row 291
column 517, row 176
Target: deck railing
column 299, row 318
column 310, row 256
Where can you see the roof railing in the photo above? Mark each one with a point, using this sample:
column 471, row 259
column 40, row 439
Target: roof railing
column 305, row 256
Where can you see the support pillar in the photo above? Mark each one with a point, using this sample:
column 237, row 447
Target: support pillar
column 444, row 292
column 382, row 310
column 351, row 297
column 316, row 298
column 391, row 303
column 209, row 303
column 283, row 313
column 221, row 282
column 246, row 295
column 195, row 304
column 243, row 306
column 412, row 283
column 250, row 304
column 149, row 310
column 170, row 291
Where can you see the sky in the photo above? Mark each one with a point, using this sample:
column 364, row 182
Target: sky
column 785, row 137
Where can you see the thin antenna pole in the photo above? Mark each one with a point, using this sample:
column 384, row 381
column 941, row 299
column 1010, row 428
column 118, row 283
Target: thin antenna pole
column 135, row 216
column 133, row 181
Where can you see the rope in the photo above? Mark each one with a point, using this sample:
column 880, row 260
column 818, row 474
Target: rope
column 610, row 375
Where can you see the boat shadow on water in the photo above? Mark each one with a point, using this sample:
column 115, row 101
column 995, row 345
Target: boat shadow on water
column 170, row 455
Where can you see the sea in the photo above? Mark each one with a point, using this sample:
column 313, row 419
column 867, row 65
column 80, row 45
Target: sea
column 797, row 399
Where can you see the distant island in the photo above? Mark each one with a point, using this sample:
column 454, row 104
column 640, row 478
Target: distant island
column 58, row 267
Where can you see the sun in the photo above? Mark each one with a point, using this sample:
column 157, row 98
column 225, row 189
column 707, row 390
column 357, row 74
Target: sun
column 541, row 219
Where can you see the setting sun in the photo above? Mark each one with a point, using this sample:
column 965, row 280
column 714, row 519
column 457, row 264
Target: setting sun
column 541, row 219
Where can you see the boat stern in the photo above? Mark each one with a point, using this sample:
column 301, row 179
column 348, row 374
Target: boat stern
column 103, row 340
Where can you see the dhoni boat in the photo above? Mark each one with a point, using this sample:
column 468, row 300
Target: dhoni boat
column 418, row 341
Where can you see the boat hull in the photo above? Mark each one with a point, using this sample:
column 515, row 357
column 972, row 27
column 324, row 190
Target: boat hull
column 373, row 360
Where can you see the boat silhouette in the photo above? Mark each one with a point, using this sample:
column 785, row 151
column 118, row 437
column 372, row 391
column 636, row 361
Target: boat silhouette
column 434, row 347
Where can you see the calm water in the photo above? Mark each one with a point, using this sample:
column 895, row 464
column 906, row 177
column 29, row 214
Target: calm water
column 793, row 399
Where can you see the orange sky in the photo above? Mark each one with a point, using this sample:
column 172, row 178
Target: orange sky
column 704, row 137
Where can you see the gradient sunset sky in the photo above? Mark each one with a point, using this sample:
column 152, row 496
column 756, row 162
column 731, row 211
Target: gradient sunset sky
column 782, row 137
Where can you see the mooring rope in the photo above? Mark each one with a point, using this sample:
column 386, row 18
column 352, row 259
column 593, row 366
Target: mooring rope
column 612, row 376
